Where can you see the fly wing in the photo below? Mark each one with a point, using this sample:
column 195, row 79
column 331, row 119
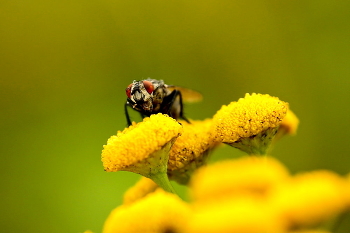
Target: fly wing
column 188, row 95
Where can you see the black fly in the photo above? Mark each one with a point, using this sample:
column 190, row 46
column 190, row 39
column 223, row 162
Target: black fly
column 151, row 96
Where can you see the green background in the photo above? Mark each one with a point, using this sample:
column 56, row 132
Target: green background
column 65, row 66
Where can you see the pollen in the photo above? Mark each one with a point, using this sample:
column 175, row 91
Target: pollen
column 248, row 116
column 191, row 150
column 138, row 142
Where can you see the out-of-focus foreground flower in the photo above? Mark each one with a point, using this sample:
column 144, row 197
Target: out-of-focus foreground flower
column 252, row 194
column 158, row 212
column 249, row 195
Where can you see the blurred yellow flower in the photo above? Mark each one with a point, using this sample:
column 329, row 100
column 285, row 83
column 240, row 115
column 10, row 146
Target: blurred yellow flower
column 143, row 148
column 242, row 215
column 348, row 190
column 158, row 212
column 311, row 198
column 247, row 176
column 191, row 150
column 310, row 231
column 289, row 125
column 250, row 123
column 143, row 187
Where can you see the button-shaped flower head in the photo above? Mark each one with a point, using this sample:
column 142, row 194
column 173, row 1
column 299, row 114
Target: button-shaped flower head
column 159, row 212
column 247, row 176
column 191, row 150
column 143, row 148
column 141, row 189
column 250, row 123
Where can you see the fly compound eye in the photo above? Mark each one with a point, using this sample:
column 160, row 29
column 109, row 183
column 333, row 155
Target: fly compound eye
column 128, row 91
column 148, row 86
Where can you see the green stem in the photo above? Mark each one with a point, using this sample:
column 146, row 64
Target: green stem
column 161, row 179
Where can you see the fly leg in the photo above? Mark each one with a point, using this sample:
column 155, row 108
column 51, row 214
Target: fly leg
column 127, row 114
column 170, row 100
column 143, row 115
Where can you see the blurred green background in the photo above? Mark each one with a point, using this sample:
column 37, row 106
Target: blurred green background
column 65, row 66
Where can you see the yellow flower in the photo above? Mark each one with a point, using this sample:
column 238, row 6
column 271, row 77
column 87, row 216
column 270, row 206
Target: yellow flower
column 158, row 212
column 348, row 190
column 250, row 123
column 311, row 198
column 242, row 215
column 289, row 125
column 191, row 150
column 143, row 187
column 310, row 231
column 143, row 148
column 137, row 143
column 247, row 176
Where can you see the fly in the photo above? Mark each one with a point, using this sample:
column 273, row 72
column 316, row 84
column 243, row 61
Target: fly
column 151, row 96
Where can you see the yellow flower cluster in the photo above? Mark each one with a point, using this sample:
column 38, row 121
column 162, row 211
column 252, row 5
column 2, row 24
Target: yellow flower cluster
column 246, row 195
column 243, row 196
column 159, row 143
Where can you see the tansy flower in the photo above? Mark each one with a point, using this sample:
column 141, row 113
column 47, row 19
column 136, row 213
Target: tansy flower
column 143, row 148
column 158, row 212
column 250, row 123
column 247, row 176
column 289, row 125
column 191, row 150
column 310, row 198
column 241, row 215
column 143, row 187
column 348, row 190
column 310, row 231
